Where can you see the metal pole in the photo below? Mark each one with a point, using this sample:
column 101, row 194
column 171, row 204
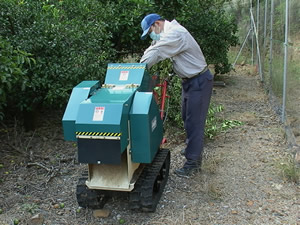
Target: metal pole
column 257, row 39
column 233, row 65
column 257, row 17
column 265, row 25
column 271, row 41
column 257, row 45
column 252, row 45
column 285, row 59
column 265, row 35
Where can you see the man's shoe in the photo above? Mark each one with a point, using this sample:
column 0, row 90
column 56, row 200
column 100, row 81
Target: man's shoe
column 199, row 161
column 186, row 171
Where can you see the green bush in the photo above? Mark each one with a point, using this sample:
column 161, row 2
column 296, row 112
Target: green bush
column 213, row 29
column 69, row 41
column 73, row 40
column 12, row 71
column 124, row 18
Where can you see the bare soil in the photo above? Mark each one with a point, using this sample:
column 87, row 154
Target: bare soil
column 241, row 180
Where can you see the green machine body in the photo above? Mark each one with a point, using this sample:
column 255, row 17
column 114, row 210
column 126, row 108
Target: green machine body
column 119, row 115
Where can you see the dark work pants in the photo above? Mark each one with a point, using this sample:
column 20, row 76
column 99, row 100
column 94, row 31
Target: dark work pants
column 196, row 94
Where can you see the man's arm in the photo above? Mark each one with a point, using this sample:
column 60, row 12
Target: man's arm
column 170, row 45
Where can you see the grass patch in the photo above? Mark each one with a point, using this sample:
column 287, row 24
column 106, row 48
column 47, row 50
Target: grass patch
column 214, row 192
column 244, row 58
column 289, row 171
column 32, row 208
column 210, row 165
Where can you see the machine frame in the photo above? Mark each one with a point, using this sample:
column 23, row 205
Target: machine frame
column 126, row 157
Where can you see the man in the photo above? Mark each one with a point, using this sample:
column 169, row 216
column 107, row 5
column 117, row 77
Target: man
column 171, row 40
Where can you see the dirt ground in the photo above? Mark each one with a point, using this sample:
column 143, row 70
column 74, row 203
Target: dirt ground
column 241, row 181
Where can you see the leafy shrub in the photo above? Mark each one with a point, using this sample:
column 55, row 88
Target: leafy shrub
column 213, row 29
column 12, row 71
column 73, row 40
column 69, row 41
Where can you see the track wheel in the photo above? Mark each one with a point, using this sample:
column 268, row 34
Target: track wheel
column 87, row 198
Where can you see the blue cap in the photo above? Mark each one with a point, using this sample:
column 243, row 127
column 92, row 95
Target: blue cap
column 147, row 22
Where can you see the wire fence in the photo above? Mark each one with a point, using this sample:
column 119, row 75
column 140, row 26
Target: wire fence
column 269, row 32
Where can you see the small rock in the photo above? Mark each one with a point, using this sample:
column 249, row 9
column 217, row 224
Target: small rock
column 248, row 211
column 36, row 220
column 277, row 213
column 102, row 213
column 278, row 186
column 60, row 213
column 234, row 212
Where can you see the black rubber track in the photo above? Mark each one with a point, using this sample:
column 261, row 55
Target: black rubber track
column 87, row 198
column 150, row 185
column 146, row 193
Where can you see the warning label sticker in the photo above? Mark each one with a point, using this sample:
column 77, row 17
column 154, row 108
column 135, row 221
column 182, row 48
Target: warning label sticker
column 124, row 75
column 154, row 123
column 98, row 113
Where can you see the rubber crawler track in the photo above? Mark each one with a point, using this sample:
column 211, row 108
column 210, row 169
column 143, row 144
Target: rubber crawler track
column 87, row 198
column 150, row 185
column 146, row 194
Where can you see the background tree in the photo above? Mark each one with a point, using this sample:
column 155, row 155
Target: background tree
column 73, row 40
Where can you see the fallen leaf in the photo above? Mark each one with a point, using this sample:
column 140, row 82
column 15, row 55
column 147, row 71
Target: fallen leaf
column 36, row 220
column 250, row 203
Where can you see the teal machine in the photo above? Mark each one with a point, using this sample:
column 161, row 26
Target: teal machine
column 118, row 130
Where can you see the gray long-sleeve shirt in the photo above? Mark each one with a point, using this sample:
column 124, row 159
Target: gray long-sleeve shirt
column 179, row 45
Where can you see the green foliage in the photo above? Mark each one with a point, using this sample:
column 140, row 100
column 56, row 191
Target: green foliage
column 213, row 29
column 123, row 18
column 30, row 207
column 169, row 9
column 164, row 70
column 69, row 40
column 73, row 40
column 16, row 221
column 215, row 124
column 12, row 71
column 289, row 170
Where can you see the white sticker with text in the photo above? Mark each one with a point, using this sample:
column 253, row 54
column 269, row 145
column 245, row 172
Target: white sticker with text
column 98, row 113
column 124, row 75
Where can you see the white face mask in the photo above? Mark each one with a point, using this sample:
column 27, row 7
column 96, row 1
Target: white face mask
column 154, row 36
